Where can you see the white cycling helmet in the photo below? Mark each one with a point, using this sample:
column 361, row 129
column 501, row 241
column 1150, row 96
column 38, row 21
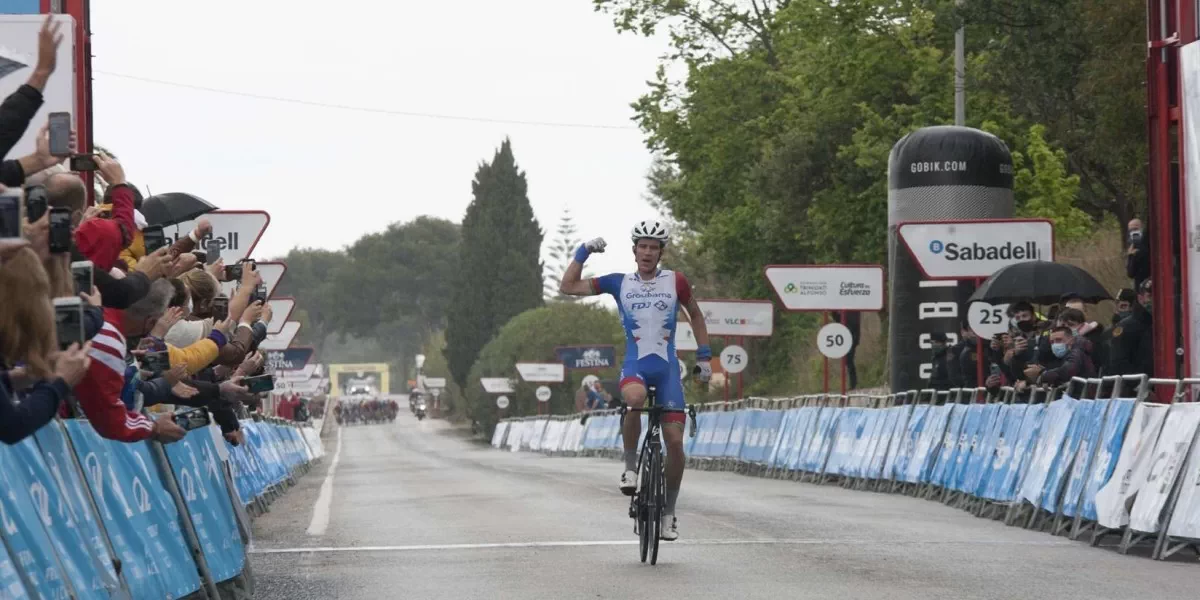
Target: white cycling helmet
column 589, row 381
column 650, row 229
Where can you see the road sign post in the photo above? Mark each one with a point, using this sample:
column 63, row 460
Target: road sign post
column 827, row 289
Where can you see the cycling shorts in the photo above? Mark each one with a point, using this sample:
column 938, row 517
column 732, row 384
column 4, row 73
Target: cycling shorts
column 664, row 377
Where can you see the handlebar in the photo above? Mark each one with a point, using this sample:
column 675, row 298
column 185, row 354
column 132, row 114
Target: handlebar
column 690, row 412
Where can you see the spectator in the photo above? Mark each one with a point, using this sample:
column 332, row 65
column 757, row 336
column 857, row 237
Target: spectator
column 1095, row 334
column 1069, row 359
column 1132, row 343
column 963, row 358
column 100, row 391
column 1137, row 254
column 300, row 414
column 853, row 321
column 1124, row 305
column 939, row 375
column 31, row 395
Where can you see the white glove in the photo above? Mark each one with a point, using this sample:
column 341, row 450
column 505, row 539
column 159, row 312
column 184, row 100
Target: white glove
column 705, row 367
column 596, row 245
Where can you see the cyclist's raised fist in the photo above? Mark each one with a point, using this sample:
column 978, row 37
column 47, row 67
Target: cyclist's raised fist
column 596, row 245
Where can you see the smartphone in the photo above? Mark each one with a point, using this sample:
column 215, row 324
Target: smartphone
column 153, row 238
column 60, row 230
column 60, row 133
column 81, row 274
column 68, row 321
column 259, row 383
column 192, row 419
column 233, row 272
column 995, row 370
column 36, row 202
column 212, row 254
column 83, row 162
column 201, row 258
column 220, row 308
column 259, row 294
column 12, row 211
column 157, row 362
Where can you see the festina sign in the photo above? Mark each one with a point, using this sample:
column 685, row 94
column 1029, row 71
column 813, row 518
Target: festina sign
column 290, row 359
column 542, row 372
column 271, row 273
column 587, row 357
column 750, row 318
column 234, row 235
column 820, row 288
column 976, row 249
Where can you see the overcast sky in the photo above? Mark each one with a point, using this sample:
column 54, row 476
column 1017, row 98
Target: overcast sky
column 328, row 175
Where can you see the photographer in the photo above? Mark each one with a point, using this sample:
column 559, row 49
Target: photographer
column 1137, row 254
column 31, row 395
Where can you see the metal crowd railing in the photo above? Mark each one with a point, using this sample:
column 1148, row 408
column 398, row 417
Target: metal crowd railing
column 1093, row 458
column 90, row 518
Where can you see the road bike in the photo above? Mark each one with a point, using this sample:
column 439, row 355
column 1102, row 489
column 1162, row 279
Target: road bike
column 648, row 501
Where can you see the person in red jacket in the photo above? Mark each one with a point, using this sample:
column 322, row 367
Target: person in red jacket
column 99, row 393
column 101, row 240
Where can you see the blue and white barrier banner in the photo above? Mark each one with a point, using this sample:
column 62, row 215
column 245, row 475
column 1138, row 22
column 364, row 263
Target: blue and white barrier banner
column 1054, row 432
column 498, row 434
column 948, row 451
column 868, row 442
column 1011, row 460
column 45, row 540
column 737, row 433
column 139, row 514
column 842, row 442
column 802, row 430
column 887, row 432
column 1089, row 438
column 721, row 433
column 968, row 438
column 1174, row 442
column 932, row 427
column 819, row 442
column 534, row 442
column 979, row 464
column 912, row 431
column 1052, row 490
column 761, row 436
column 202, row 485
column 897, row 442
column 1111, row 440
column 11, row 586
column 1133, row 465
column 1185, row 521
column 785, row 434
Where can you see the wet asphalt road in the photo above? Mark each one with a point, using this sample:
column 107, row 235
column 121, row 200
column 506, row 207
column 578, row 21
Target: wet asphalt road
column 417, row 511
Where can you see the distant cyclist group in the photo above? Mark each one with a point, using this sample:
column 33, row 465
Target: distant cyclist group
column 365, row 412
column 649, row 301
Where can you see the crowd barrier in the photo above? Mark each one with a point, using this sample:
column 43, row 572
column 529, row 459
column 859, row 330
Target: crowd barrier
column 1094, row 459
column 90, row 518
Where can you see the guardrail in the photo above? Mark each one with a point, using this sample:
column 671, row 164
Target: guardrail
column 1089, row 460
column 90, row 518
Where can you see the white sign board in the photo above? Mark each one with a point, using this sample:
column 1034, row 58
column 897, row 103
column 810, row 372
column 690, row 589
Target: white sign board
column 312, row 386
column 750, row 318
column 987, row 320
column 542, row 393
column 271, row 273
column 496, row 385
column 1189, row 75
column 542, row 372
column 283, row 339
column 976, row 249
column 281, row 311
column 734, row 359
column 818, row 288
column 235, row 232
column 834, row 340
column 502, row 402
column 299, row 374
column 685, row 338
column 18, row 57
column 435, row 382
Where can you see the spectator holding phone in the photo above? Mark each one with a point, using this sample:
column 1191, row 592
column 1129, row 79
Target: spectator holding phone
column 1070, row 359
column 20, row 107
column 1137, row 254
column 31, row 395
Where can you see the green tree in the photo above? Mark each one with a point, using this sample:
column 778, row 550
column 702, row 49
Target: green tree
column 532, row 336
column 499, row 273
column 1044, row 189
column 562, row 252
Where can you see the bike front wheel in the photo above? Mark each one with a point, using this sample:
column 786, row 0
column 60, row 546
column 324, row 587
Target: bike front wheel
column 655, row 504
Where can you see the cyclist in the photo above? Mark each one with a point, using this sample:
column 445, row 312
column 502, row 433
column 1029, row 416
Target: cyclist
column 649, row 300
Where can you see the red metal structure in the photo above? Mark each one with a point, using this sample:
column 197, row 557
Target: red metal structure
column 1169, row 25
column 81, row 11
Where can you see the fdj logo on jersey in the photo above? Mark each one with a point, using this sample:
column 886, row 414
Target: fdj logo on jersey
column 974, row 251
column 639, row 305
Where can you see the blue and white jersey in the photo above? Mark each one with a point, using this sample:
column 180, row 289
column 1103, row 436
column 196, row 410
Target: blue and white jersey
column 648, row 310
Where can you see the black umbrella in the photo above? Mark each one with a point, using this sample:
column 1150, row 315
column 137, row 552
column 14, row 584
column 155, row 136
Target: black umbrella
column 174, row 208
column 1040, row 282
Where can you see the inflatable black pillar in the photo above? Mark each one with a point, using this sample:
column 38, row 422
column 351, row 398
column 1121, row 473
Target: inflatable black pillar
column 936, row 174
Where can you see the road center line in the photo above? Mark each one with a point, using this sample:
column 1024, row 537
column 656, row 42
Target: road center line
column 320, row 515
column 577, row 544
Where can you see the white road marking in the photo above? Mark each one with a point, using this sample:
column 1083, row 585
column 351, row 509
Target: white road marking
column 320, row 515
column 577, row 544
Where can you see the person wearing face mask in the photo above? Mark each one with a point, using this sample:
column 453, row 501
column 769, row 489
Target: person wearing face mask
column 939, row 375
column 1132, row 344
column 1124, row 305
column 1137, row 254
column 962, row 358
column 1070, row 359
column 1094, row 333
column 1025, row 336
